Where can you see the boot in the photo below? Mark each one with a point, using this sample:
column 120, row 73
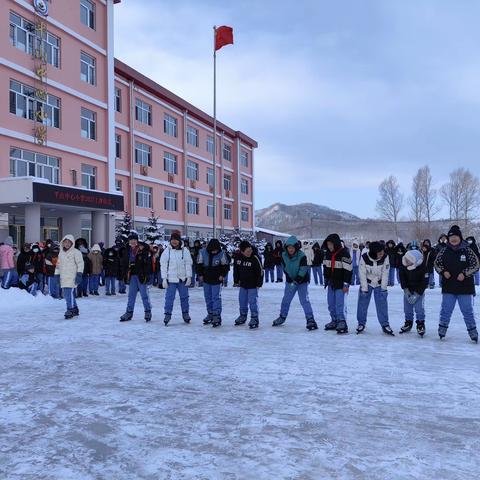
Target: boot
column 75, row 311
column 126, row 316
column 208, row 319
column 216, row 321
column 186, row 317
column 279, row 321
column 442, row 331
column 342, row 327
column 388, row 330
column 421, row 327
column 69, row 314
column 331, row 325
column 241, row 320
column 407, row 326
column 253, row 323
column 311, row 324
column 167, row 318
column 148, row 316
column 360, row 328
column 473, row 334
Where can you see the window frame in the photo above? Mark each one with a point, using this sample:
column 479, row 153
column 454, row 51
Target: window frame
column 32, row 162
column 91, row 14
column 143, row 112
column 91, row 124
column 170, row 197
column 143, row 196
column 193, row 167
column 89, row 176
column 192, row 136
column 170, row 158
column 141, row 152
column 90, row 63
column 193, row 205
column 170, row 125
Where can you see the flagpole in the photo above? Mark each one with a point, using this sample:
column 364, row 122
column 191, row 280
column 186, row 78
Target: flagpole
column 214, row 135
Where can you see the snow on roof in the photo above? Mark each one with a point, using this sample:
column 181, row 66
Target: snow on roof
column 272, row 232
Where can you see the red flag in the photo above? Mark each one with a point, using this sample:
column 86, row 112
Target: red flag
column 223, row 36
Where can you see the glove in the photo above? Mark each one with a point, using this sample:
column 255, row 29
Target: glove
column 78, row 278
column 188, row 281
column 165, row 283
column 411, row 297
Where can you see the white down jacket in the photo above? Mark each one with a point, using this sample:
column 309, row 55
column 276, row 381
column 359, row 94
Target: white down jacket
column 176, row 264
column 69, row 263
column 373, row 273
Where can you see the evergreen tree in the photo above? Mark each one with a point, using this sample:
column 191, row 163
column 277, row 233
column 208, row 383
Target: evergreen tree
column 124, row 228
column 153, row 231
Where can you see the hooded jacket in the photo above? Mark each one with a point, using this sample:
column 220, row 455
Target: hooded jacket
column 373, row 272
column 277, row 252
column 399, row 253
column 247, row 271
column 6, row 255
column 268, row 259
column 337, row 265
column 429, row 255
column 295, row 266
column 318, row 255
column 414, row 278
column 111, row 262
column 69, row 263
column 211, row 266
column 176, row 263
column 96, row 260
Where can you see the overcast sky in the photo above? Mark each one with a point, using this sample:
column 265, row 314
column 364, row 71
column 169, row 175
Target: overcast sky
column 338, row 94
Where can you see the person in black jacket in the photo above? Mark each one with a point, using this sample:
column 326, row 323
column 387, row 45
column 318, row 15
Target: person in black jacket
column 28, row 280
column 137, row 257
column 429, row 255
column 111, row 266
column 399, row 253
column 413, row 279
column 473, row 245
column 457, row 264
column 390, row 251
column 248, row 275
column 82, row 289
column 337, row 271
column 268, row 263
column 24, row 257
column 277, row 258
column 317, row 262
column 120, row 248
column 51, row 258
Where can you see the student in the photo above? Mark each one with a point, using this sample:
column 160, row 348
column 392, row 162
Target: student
column 38, row 262
column 390, row 251
column 473, row 245
column 82, row 289
column 23, row 258
column 317, row 263
column 355, row 254
column 70, row 269
column 337, row 272
column 7, row 264
column 413, row 279
column 138, row 268
column 51, row 258
column 28, row 280
column 399, row 253
column 197, row 247
column 229, row 262
column 268, row 263
column 374, row 272
column 248, row 275
column 457, row 264
column 120, row 248
column 96, row 265
column 277, row 256
column 429, row 257
column 111, row 267
column 176, row 267
column 294, row 263
column 441, row 244
column 212, row 266
column 307, row 249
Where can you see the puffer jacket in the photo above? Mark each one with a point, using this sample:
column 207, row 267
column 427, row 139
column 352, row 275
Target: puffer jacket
column 69, row 263
column 176, row 264
column 373, row 273
column 96, row 260
column 211, row 266
column 337, row 265
column 268, row 260
column 295, row 266
column 111, row 262
column 6, row 257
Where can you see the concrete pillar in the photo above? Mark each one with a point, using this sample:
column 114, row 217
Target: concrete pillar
column 111, row 233
column 72, row 224
column 99, row 227
column 32, row 223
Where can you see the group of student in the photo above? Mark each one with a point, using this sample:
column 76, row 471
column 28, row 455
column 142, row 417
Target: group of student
column 71, row 270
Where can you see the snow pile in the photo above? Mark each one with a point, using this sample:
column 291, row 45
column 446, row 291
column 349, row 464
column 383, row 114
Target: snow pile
column 15, row 300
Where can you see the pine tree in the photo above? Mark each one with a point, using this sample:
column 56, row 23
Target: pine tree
column 153, row 231
column 124, row 228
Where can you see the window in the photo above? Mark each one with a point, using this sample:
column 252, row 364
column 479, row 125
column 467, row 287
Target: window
column 118, row 185
column 244, row 158
column 143, row 154
column 26, row 102
column 143, row 112
column 210, row 144
column 89, row 124
column 24, row 163
column 209, row 208
column 170, row 162
column 227, row 211
column 192, row 136
column 170, row 201
column 192, row 170
column 118, row 100
column 227, row 182
column 210, row 179
column 170, row 125
column 227, row 152
column 87, row 13
column 118, row 145
column 89, row 177
column 143, row 196
column 24, row 36
column 244, row 214
column 193, row 205
column 87, row 68
column 244, row 186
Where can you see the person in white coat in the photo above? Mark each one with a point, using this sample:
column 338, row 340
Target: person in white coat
column 70, row 270
column 373, row 272
column 176, row 267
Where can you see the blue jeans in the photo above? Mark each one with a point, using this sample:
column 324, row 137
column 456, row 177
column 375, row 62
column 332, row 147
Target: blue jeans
column 69, row 294
column 94, row 283
column 33, row 288
column 170, row 297
column 40, row 278
column 431, row 280
column 381, row 305
column 82, row 288
column 213, row 298
column 122, row 288
column 355, row 278
column 465, row 303
column 110, row 285
column 318, row 275
column 279, row 270
column 290, row 290
column 477, row 278
column 391, row 276
column 247, row 297
column 10, row 277
column 269, row 275
column 133, row 288
column 225, row 280
column 418, row 307
column 53, row 286
column 336, row 304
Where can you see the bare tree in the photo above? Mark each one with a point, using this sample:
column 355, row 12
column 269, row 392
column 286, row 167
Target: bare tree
column 470, row 197
column 390, row 202
column 428, row 197
column 416, row 204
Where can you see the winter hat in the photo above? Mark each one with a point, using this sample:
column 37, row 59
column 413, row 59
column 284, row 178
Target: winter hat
column 335, row 239
column 96, row 248
column 133, row 236
column 413, row 245
column 292, row 242
column 244, row 244
column 455, row 231
column 355, row 242
column 8, row 241
column 412, row 259
column 375, row 249
column 175, row 235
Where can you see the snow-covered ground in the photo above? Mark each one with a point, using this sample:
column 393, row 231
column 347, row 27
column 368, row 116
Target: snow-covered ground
column 92, row 398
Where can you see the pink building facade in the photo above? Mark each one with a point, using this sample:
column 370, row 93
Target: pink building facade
column 84, row 137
